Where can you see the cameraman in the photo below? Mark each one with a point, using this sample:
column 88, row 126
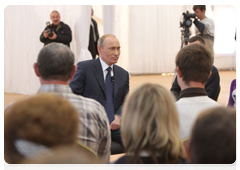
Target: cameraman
column 204, row 27
column 57, row 31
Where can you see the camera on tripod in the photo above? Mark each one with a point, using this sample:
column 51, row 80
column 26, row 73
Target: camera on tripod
column 48, row 29
column 186, row 24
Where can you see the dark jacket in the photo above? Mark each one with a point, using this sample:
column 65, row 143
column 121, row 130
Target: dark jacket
column 212, row 85
column 64, row 35
column 88, row 81
column 92, row 46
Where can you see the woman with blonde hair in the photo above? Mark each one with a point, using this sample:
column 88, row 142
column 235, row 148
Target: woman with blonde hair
column 150, row 127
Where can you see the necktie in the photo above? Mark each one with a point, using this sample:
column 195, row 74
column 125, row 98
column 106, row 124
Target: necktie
column 109, row 94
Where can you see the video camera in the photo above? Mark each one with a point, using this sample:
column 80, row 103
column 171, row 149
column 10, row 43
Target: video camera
column 186, row 24
column 49, row 30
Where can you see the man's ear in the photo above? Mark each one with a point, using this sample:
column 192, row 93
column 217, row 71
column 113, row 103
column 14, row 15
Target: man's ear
column 36, row 69
column 73, row 71
column 179, row 72
column 99, row 49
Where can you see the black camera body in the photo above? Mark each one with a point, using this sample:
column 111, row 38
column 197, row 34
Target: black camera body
column 187, row 22
column 49, row 30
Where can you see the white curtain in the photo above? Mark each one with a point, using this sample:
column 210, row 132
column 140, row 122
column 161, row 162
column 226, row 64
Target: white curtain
column 149, row 35
column 115, row 21
column 23, row 25
column 22, row 28
column 225, row 31
column 108, row 19
column 82, row 29
column 154, row 38
column 122, row 32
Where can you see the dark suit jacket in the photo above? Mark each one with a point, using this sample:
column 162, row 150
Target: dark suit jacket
column 92, row 46
column 212, row 85
column 88, row 81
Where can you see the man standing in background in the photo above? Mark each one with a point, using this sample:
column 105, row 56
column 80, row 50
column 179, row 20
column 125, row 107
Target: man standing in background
column 205, row 27
column 93, row 37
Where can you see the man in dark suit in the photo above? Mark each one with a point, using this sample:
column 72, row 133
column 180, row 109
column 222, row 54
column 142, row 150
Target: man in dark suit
column 93, row 37
column 91, row 77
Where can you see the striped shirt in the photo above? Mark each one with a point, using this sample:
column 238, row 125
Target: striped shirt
column 94, row 130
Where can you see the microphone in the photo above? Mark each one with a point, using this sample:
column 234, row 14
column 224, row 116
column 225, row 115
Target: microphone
column 112, row 79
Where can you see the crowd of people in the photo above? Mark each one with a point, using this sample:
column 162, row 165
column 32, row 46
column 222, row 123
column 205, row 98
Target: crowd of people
column 80, row 111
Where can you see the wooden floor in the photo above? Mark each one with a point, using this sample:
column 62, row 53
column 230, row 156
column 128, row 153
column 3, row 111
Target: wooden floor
column 225, row 80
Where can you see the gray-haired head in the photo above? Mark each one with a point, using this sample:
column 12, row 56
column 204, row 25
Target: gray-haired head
column 53, row 12
column 55, row 62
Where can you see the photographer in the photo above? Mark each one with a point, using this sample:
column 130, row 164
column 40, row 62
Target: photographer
column 204, row 27
column 57, row 31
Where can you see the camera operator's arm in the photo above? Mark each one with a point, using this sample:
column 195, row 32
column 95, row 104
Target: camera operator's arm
column 65, row 36
column 205, row 27
column 44, row 36
column 199, row 25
